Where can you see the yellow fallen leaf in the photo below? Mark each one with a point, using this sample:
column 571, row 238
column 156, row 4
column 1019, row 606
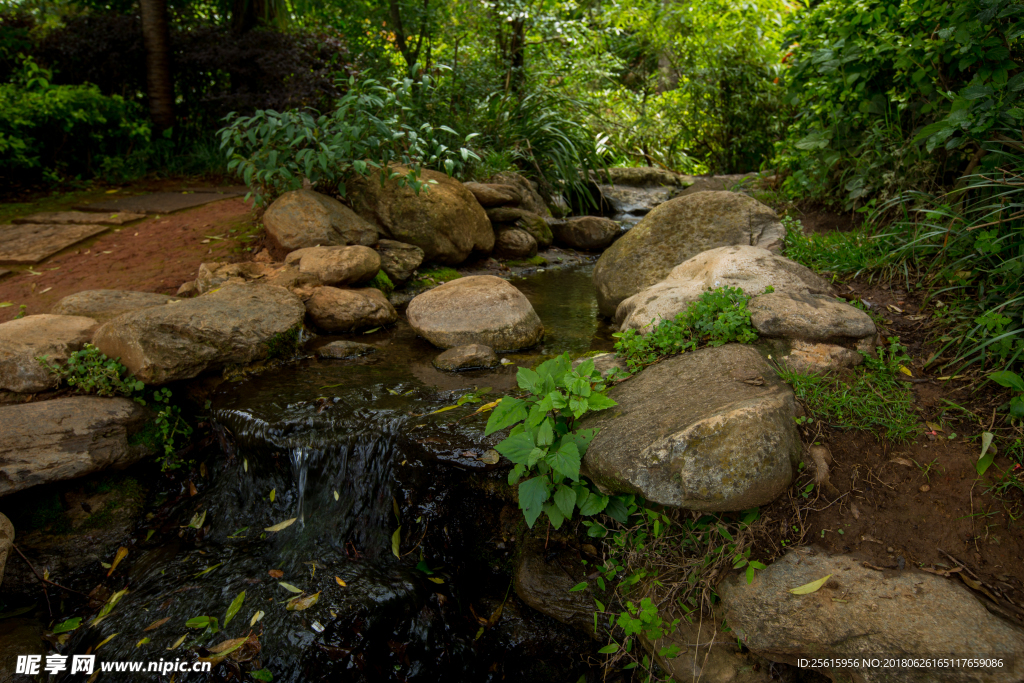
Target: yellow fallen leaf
column 441, row 410
column 336, row 495
column 222, row 650
column 810, row 587
column 340, row 582
column 934, row 427
column 283, row 525
column 245, row 464
column 157, row 624
column 273, row 495
column 487, row 406
column 906, row 371
column 288, row 587
column 122, row 553
column 435, row 579
column 396, row 541
column 105, row 641
column 300, row 603
column 256, row 617
column 178, row 642
column 141, row 643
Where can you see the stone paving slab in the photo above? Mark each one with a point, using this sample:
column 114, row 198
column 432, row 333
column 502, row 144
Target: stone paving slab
column 31, row 242
column 157, row 203
column 4, row 271
column 63, row 217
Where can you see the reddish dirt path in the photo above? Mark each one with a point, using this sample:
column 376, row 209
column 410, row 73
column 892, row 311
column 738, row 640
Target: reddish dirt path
column 156, row 254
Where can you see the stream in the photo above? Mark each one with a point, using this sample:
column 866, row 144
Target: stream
column 354, row 451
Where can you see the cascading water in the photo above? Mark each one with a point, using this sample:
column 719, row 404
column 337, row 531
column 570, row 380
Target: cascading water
column 396, row 532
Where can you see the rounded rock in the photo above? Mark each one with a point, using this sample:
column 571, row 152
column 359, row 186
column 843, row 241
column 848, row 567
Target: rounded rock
column 337, row 265
column 588, row 233
column 466, row 357
column 514, row 243
column 303, row 218
column 344, row 349
column 349, row 310
column 480, row 309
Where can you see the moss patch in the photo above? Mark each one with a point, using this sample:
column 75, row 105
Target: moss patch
column 382, row 282
column 532, row 261
column 436, row 276
column 285, row 344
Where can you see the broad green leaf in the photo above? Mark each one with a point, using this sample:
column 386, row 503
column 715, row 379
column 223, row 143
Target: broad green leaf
column 594, row 503
column 536, row 455
column 528, row 379
column 517, row 448
column 582, row 439
column 609, row 649
column 810, row 587
column 600, row 402
column 546, row 432
column 68, row 625
column 566, row 460
column 533, row 493
column 616, row 509
column 554, row 514
column 578, row 587
column 565, row 499
column 233, row 608
column 539, row 411
column 1010, row 380
column 507, row 413
column 988, row 453
column 515, row 474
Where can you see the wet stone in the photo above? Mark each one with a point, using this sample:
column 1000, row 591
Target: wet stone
column 344, row 349
column 31, row 243
column 466, row 358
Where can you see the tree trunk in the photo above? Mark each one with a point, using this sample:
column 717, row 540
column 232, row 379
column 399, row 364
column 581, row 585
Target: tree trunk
column 156, row 37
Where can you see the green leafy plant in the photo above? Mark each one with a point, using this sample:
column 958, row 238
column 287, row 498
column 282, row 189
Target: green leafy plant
column 368, row 130
column 1011, row 380
column 718, row 317
column 544, row 442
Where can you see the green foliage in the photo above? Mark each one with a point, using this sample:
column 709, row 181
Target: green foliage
column 369, row 130
column 1013, row 381
column 50, row 132
column 545, row 444
column 869, row 80
column 719, row 317
column 382, row 282
column 436, row 276
column 89, row 371
column 873, row 400
column 285, row 344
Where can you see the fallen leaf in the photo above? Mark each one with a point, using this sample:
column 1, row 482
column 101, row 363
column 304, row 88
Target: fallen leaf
column 122, row 553
column 141, row 642
column 207, row 570
column 256, row 617
column 906, row 371
column 157, row 624
column 276, row 573
column 340, row 582
column 273, row 495
column 5, row 304
column 988, row 453
column 288, row 587
column 336, row 495
column 486, row 407
column 107, row 608
column 222, row 650
column 192, row 489
column 245, row 464
column 197, row 521
column 978, row 586
column 396, row 540
column 300, row 603
column 68, row 625
column 490, row 457
column 46, row 290
column 810, row 587
column 371, row 331
column 178, row 642
column 934, row 427
column 902, row 461
column 283, row 525
column 233, row 608
column 435, row 579
column 105, row 641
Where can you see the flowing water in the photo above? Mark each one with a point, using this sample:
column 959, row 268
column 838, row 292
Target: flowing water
column 354, row 451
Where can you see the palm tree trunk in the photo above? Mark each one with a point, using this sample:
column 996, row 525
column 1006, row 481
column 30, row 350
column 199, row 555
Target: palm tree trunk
column 156, row 37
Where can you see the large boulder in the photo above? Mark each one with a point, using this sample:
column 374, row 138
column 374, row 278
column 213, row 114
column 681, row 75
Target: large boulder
column 236, row 324
column 444, row 219
column 529, row 197
column 6, row 543
column 303, row 218
column 103, row 304
column 678, row 230
column 399, row 260
column 490, row 195
column 505, row 217
column 349, row 310
column 750, row 268
column 588, row 233
column 514, row 243
column 710, row 430
column 65, row 438
column 864, row 613
column 547, row 566
column 336, row 265
column 480, row 309
column 24, row 340
column 812, row 318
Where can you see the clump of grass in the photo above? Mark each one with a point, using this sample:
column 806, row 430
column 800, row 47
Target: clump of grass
column 872, row 400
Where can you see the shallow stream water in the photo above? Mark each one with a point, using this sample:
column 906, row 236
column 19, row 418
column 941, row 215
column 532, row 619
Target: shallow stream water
column 354, row 451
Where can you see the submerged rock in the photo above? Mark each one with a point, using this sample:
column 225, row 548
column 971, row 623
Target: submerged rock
column 6, row 543
column 749, row 268
column 466, row 358
column 236, row 324
column 480, row 309
column 337, row 265
column 862, row 612
column 303, row 218
column 676, row 231
column 545, row 571
column 349, row 310
column 66, row 438
column 588, row 233
column 24, row 340
column 709, row 430
column 444, row 219
column 103, row 304
column 344, row 349
column 514, row 243
column 399, row 260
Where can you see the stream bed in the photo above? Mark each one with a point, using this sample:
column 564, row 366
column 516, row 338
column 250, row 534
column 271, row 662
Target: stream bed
column 404, row 527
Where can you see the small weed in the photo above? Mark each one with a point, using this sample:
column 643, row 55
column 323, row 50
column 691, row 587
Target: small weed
column 874, row 399
column 718, row 317
column 926, row 469
column 22, row 312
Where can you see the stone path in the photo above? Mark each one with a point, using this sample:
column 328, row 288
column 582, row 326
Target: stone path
column 31, row 243
column 64, row 217
column 159, row 202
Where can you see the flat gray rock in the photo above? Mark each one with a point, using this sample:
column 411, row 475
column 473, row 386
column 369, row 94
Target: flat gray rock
column 66, row 438
column 466, row 358
column 24, row 340
column 31, row 243
column 344, row 349
column 158, row 202
column 104, row 304
column 65, row 217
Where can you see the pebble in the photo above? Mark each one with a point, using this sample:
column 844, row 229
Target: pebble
column 925, row 488
column 889, row 549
